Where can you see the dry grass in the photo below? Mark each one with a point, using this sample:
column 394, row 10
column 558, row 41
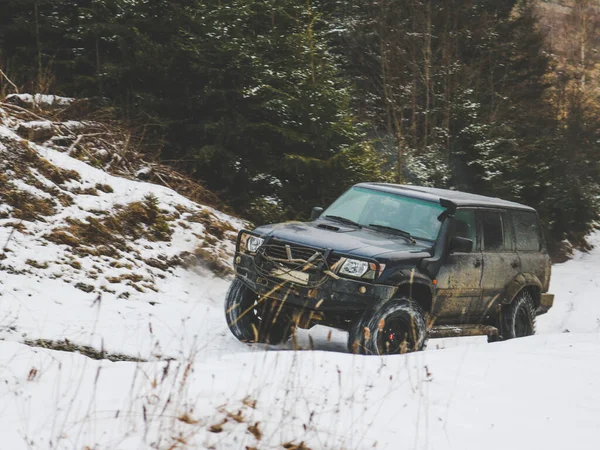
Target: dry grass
column 109, row 234
column 103, row 141
column 104, row 188
column 23, row 163
column 208, row 259
column 90, row 352
column 36, row 264
column 25, row 205
column 211, row 223
column 85, row 287
column 128, row 276
column 55, row 174
column 85, row 191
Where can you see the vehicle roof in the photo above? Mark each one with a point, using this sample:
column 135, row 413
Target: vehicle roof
column 457, row 197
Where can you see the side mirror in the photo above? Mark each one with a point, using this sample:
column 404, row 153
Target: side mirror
column 460, row 245
column 316, row 213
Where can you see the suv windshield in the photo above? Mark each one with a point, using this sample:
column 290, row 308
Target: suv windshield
column 368, row 207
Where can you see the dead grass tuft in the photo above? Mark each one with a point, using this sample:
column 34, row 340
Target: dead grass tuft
column 55, row 174
column 74, row 264
column 86, row 191
column 90, row 352
column 26, row 206
column 255, row 430
column 186, row 418
column 85, row 287
column 208, row 259
column 164, row 263
column 218, row 427
column 249, row 402
column 18, row 226
column 63, row 237
column 108, row 234
column 130, row 219
column 293, row 446
column 211, row 223
column 36, row 264
column 104, row 188
column 128, row 276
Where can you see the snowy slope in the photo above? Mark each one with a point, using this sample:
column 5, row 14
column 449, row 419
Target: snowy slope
column 138, row 300
column 577, row 288
column 200, row 388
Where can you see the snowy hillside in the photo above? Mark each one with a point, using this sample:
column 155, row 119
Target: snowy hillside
column 101, row 255
column 123, row 270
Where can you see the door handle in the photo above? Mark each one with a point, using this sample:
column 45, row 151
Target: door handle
column 477, row 263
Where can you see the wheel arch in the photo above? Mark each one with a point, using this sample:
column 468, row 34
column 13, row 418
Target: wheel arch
column 524, row 282
column 419, row 291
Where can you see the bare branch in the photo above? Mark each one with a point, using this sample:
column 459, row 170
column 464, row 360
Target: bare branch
column 9, row 81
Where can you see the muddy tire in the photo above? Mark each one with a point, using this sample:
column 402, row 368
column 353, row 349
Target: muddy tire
column 397, row 327
column 356, row 337
column 518, row 318
column 251, row 319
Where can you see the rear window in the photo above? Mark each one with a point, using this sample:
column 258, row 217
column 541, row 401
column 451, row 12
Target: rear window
column 527, row 231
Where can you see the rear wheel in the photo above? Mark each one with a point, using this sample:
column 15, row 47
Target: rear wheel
column 251, row 318
column 518, row 319
column 397, row 327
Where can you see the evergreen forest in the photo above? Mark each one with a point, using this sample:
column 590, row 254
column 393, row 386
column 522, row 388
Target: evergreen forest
column 277, row 106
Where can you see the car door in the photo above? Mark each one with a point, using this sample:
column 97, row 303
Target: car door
column 530, row 246
column 501, row 263
column 459, row 278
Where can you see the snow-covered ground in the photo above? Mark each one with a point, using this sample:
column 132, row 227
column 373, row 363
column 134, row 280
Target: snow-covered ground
column 200, row 388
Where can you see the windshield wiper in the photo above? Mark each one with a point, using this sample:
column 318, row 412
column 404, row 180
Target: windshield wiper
column 404, row 234
column 344, row 220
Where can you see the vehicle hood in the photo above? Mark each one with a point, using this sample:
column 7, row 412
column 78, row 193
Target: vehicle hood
column 345, row 239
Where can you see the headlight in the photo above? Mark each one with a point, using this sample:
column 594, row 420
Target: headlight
column 254, row 243
column 354, row 268
column 249, row 243
column 360, row 269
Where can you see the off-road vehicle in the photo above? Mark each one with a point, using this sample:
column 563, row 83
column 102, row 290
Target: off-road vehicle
column 394, row 265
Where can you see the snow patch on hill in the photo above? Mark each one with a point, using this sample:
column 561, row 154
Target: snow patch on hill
column 576, row 285
column 80, row 247
column 39, row 101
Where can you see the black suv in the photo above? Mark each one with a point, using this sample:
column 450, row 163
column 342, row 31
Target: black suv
column 394, row 265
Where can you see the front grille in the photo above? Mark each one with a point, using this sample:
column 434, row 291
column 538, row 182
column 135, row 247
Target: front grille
column 279, row 253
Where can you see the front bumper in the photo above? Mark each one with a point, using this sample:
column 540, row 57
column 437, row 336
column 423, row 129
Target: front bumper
column 335, row 295
column 546, row 302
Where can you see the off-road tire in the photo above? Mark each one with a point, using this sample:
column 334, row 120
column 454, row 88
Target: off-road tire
column 518, row 318
column 366, row 336
column 356, row 337
column 260, row 323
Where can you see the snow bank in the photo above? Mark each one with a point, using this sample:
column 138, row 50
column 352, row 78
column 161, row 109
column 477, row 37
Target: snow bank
column 40, row 101
column 577, row 289
column 537, row 392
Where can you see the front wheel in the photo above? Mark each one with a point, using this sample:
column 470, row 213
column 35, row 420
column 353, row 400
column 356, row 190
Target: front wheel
column 397, row 327
column 251, row 318
column 518, row 318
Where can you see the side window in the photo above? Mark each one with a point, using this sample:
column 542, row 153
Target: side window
column 493, row 237
column 508, row 232
column 465, row 225
column 527, row 231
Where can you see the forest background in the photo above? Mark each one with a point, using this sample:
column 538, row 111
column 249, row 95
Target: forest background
column 280, row 105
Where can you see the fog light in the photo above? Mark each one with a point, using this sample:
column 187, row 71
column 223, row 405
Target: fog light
column 362, row 289
column 238, row 259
